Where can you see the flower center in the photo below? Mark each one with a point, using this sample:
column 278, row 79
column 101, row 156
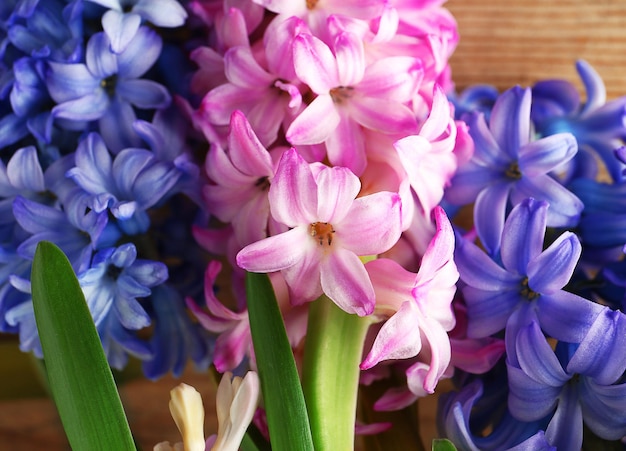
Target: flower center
column 310, row 4
column 263, row 183
column 322, row 232
column 108, row 84
column 527, row 292
column 341, row 93
column 513, row 171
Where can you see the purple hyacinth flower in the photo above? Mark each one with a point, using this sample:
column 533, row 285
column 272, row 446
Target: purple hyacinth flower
column 599, row 126
column 507, row 167
column 579, row 384
column 107, row 86
column 525, row 281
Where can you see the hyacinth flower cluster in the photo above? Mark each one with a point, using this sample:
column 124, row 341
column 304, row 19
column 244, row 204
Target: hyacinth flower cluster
column 331, row 141
column 541, row 268
column 96, row 159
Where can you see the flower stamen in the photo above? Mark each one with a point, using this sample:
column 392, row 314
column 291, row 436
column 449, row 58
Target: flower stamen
column 341, row 93
column 527, row 292
column 322, row 232
column 513, row 171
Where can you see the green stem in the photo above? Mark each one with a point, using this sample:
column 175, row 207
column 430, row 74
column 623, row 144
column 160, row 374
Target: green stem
column 333, row 351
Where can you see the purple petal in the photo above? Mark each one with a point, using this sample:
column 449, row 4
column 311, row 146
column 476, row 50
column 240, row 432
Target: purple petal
column 24, row 170
column 399, row 338
column 93, row 166
column 528, row 399
column 145, row 94
column 345, row 281
column 479, row 271
column 70, row 81
column 594, row 86
column 100, row 61
column 489, row 214
column 565, row 207
column 545, row 154
column 87, row 108
column 120, row 28
column 116, row 126
column 373, row 224
column 277, row 252
column 510, row 120
column 522, row 236
column 601, row 354
column 552, row 269
column 565, row 430
column 162, row 13
column 603, row 408
column 316, row 123
column 566, row 316
column 488, row 311
column 140, row 53
column 487, row 150
column 293, row 193
column 537, row 359
column 469, row 181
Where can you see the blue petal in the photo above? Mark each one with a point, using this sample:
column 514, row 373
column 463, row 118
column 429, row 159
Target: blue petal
column 116, row 126
column 565, row 208
column 488, row 311
column 489, row 214
column 162, row 13
column 140, row 54
column 522, row 235
column 510, row 120
column 603, row 408
column 87, row 108
column 100, row 61
column 12, row 129
column 601, row 354
column 70, row 81
column 148, row 273
column 552, row 269
column 537, row 359
column 24, row 170
column 129, row 312
column 487, row 151
column 529, row 400
column 554, row 98
column 565, row 430
column 479, row 271
column 546, row 154
column 594, row 86
column 120, row 28
column 566, row 316
column 145, row 94
column 537, row 442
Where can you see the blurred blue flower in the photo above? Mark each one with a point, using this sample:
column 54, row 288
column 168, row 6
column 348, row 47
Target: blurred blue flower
column 508, row 167
column 599, row 126
column 113, row 286
column 175, row 337
column 107, row 86
column 580, row 383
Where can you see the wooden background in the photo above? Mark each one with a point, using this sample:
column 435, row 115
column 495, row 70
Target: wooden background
column 504, row 43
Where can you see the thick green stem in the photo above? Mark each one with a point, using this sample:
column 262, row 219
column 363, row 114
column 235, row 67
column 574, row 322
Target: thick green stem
column 332, row 354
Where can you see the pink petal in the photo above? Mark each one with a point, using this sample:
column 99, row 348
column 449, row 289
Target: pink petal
column 440, row 250
column 315, row 64
column 395, row 78
column 231, row 347
column 220, row 169
column 337, row 187
column 425, row 377
column 276, row 252
column 373, row 225
column 293, row 193
column 382, row 115
column 392, row 284
column 278, row 42
column 350, row 56
column 399, row 338
column 232, row 29
column 225, row 202
column 303, row 279
column 213, row 304
column 267, row 115
column 246, row 151
column 439, row 117
column 219, row 103
column 243, row 70
column 251, row 221
column 345, row 281
column 346, row 145
column 395, row 399
column 316, row 123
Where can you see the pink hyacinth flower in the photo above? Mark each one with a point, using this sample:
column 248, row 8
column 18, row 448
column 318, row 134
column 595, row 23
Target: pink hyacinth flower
column 420, row 307
column 329, row 229
column 350, row 96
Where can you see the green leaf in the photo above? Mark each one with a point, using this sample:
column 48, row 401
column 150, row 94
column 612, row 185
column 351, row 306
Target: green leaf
column 442, row 444
column 80, row 379
column 287, row 418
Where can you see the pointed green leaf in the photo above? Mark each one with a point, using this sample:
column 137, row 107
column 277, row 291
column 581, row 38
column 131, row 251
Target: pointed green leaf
column 80, row 378
column 287, row 418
